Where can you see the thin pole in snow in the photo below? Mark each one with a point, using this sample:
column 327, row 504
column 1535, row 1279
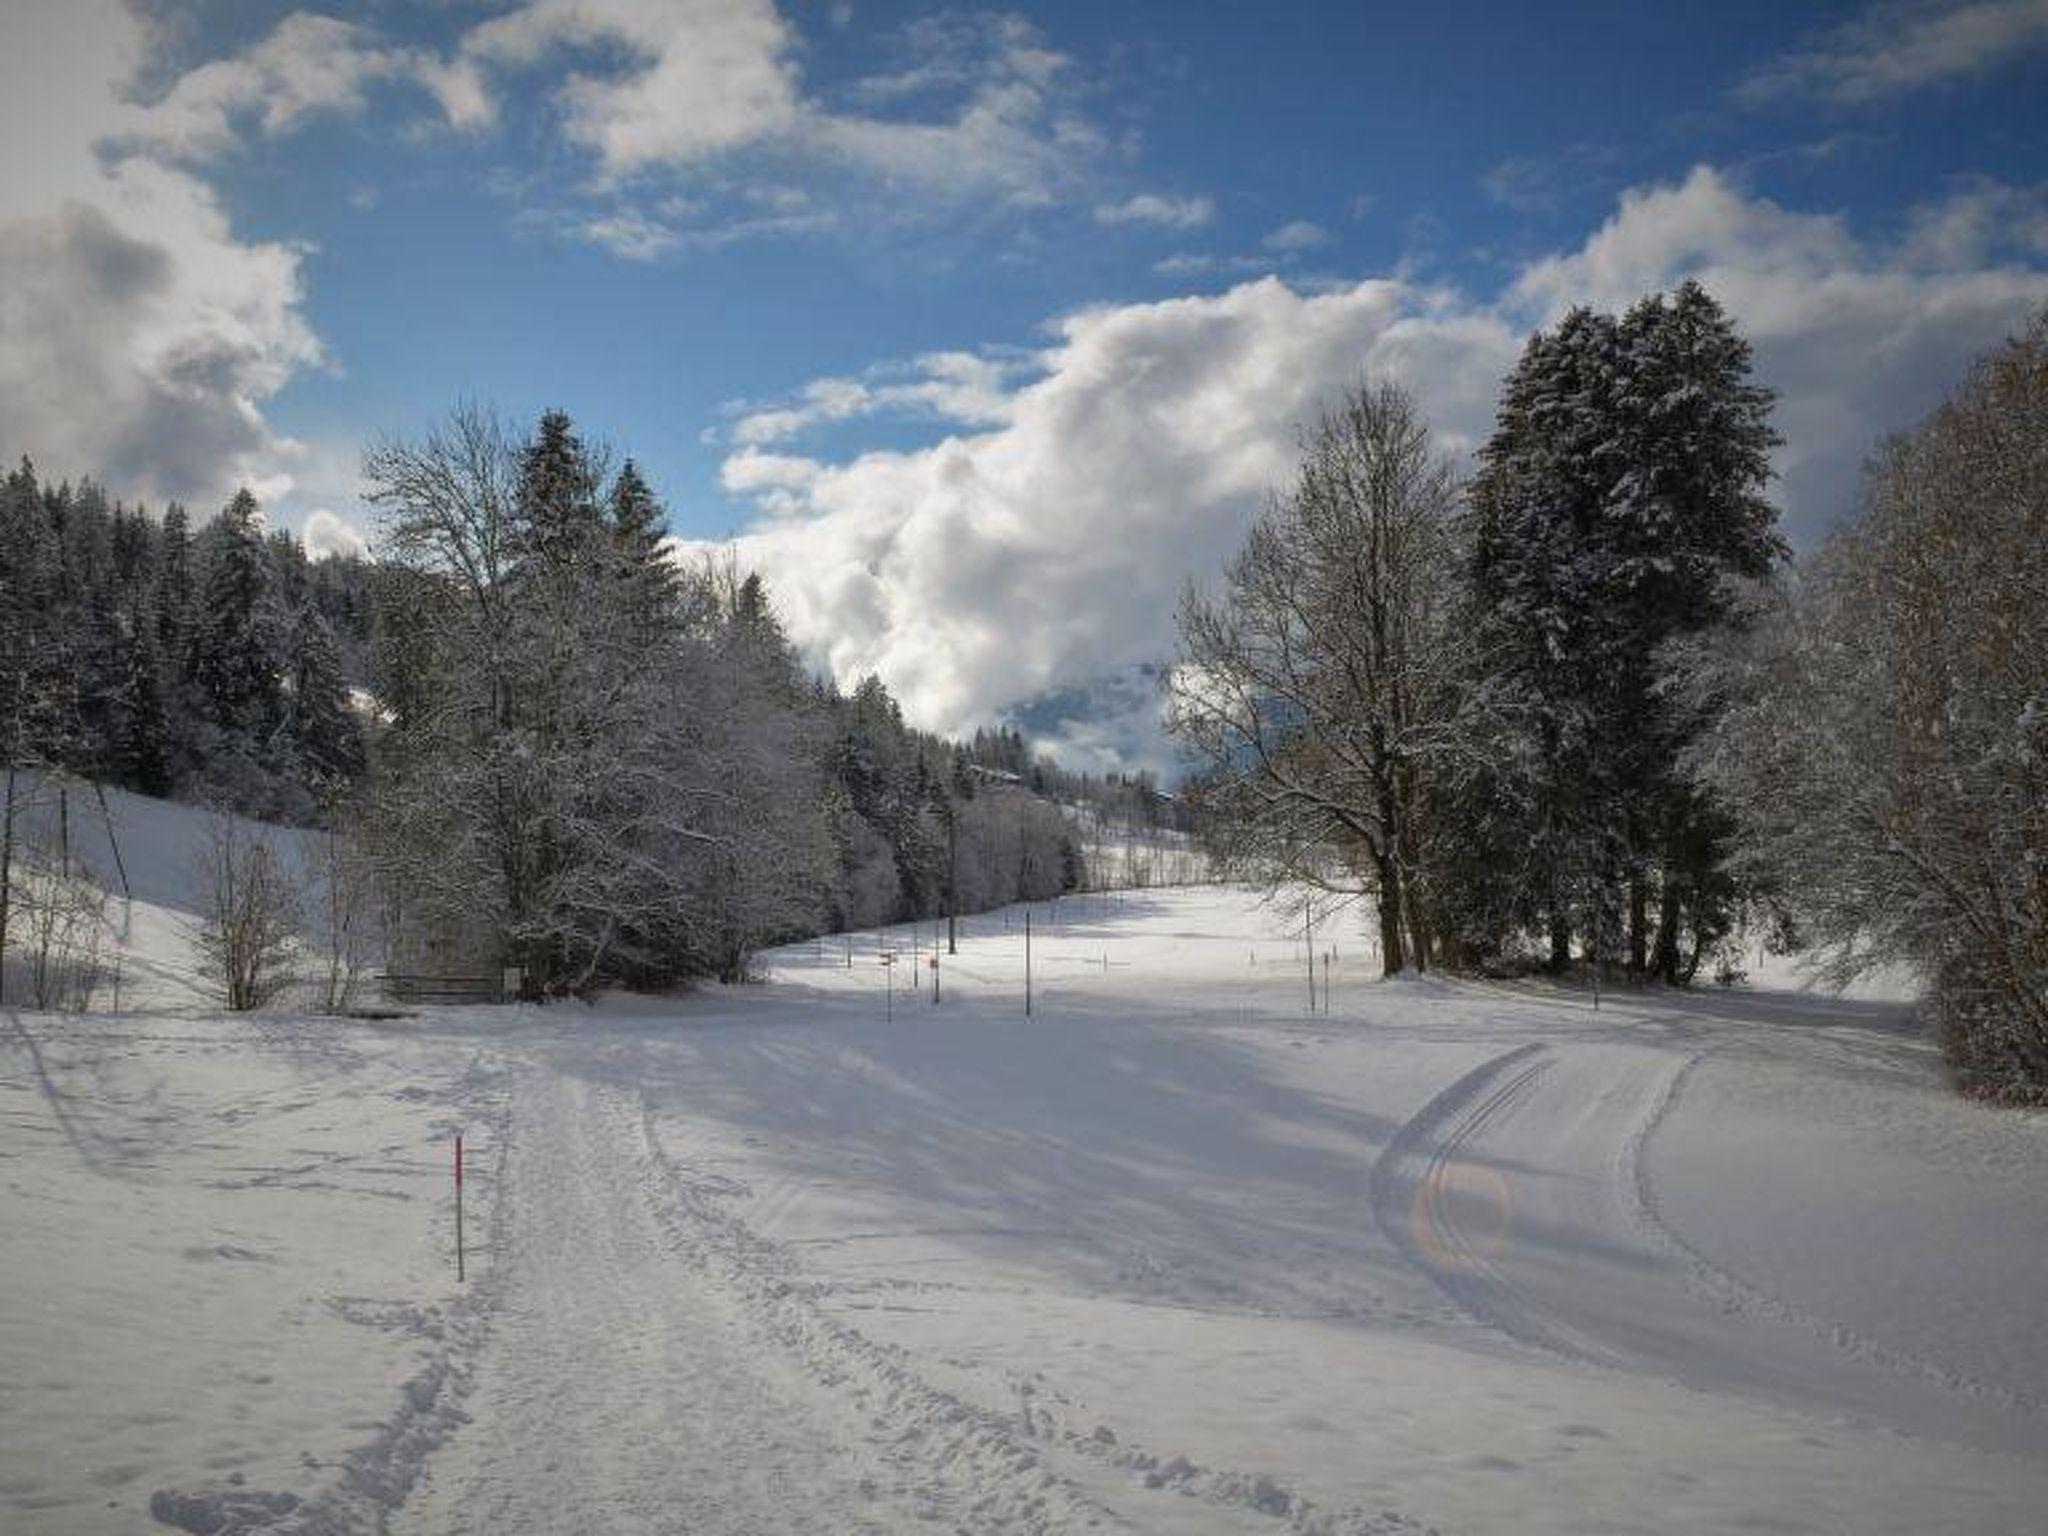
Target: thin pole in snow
column 1308, row 949
column 459, row 1275
column 113, row 842
column 1027, row 962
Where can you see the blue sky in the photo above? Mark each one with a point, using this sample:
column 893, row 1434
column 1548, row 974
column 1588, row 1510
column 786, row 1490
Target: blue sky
column 979, row 330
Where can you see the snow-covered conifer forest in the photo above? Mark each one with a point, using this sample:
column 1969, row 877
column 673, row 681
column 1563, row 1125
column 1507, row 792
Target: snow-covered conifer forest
column 1569, row 1054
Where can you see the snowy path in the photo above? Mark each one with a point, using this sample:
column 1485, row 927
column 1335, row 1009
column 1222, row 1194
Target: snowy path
column 642, row 1377
column 1166, row 1256
column 617, row 1392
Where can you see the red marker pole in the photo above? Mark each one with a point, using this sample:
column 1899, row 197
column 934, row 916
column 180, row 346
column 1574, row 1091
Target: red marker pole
column 458, row 1208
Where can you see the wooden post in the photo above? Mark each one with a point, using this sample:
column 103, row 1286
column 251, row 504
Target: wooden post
column 6, row 876
column 1027, row 962
column 1308, row 949
column 459, row 1270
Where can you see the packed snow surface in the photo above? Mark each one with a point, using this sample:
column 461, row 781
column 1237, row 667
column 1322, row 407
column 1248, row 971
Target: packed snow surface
column 1169, row 1254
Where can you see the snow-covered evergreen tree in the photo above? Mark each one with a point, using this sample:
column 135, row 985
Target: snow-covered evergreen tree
column 1620, row 495
column 322, row 722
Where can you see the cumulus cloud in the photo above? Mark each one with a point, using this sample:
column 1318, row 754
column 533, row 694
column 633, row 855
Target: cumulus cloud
column 962, row 387
column 702, row 76
column 328, row 533
column 673, row 85
column 309, row 65
column 1038, row 559
column 994, row 566
column 1897, row 48
column 139, row 336
column 1156, row 209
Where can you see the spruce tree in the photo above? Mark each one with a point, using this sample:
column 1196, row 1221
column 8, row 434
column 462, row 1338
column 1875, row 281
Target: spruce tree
column 647, row 575
column 240, row 752
column 1621, row 492
column 140, row 756
column 323, row 724
column 558, row 518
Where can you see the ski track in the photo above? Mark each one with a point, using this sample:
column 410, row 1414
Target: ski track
column 1412, row 1187
column 1532, row 1269
column 1729, row 1293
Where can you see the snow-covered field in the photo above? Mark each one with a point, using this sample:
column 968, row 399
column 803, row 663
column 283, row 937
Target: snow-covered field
column 1169, row 1254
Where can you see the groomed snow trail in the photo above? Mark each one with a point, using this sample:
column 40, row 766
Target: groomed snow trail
column 646, row 1373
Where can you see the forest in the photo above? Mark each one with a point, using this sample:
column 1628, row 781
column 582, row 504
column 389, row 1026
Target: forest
column 534, row 735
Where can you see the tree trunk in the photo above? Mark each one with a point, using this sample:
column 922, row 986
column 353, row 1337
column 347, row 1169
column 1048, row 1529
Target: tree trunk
column 1666, row 963
column 1393, row 919
column 6, row 877
column 1638, row 917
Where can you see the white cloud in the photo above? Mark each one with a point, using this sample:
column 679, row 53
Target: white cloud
column 309, row 65
column 1043, row 553
column 1858, row 338
column 993, row 566
column 1298, row 235
column 1196, row 264
column 139, row 336
column 629, row 233
column 1897, row 48
column 673, row 85
column 1982, row 221
column 1157, row 209
column 328, row 533
column 961, row 387
column 703, row 76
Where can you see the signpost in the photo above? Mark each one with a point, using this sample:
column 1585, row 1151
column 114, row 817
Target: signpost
column 889, row 983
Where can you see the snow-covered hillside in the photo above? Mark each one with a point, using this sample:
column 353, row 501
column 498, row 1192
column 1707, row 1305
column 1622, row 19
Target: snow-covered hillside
column 1168, row 1254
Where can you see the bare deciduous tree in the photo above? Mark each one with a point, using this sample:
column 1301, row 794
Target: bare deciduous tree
column 1316, row 693
column 342, row 878
column 1885, row 739
column 250, row 923
column 63, row 919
